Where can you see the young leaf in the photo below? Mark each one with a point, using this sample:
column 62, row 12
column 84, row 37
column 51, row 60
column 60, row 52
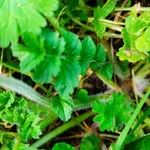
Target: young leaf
column 67, row 78
column 63, row 146
column 73, row 44
column 101, row 13
column 106, row 70
column 82, row 96
column 100, row 57
column 62, row 107
column 17, row 18
column 50, row 65
column 136, row 38
column 131, row 55
column 87, row 53
column 105, row 10
column 44, row 51
column 31, row 53
column 17, row 112
column 91, row 142
column 143, row 42
column 113, row 113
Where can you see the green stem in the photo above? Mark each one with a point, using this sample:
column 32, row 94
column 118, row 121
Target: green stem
column 111, row 22
column 8, row 133
column 9, row 67
column 130, row 8
column 86, row 27
column 54, row 22
column 72, row 123
column 89, row 28
column 113, row 27
column 119, row 143
column 114, row 35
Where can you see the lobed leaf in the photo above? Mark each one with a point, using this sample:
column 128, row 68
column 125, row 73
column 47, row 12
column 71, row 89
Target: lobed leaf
column 63, row 107
column 17, row 18
column 113, row 113
column 87, row 53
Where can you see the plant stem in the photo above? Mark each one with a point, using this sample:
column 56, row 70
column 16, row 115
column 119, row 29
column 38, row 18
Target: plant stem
column 130, row 8
column 54, row 22
column 72, row 123
column 9, row 67
column 8, row 133
column 125, row 131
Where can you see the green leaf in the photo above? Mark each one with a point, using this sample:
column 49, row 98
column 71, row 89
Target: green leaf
column 105, row 10
column 100, row 57
column 91, row 142
column 100, row 28
column 67, row 78
column 49, row 67
column 113, row 113
column 47, row 7
column 43, row 51
column 62, row 107
column 136, row 38
column 20, row 114
column 130, row 55
column 101, row 13
column 87, row 53
column 141, row 143
column 6, row 100
column 100, row 54
column 63, row 146
column 107, row 70
column 82, row 96
column 29, row 128
column 17, row 18
column 73, row 44
column 31, row 51
column 135, row 25
column 143, row 42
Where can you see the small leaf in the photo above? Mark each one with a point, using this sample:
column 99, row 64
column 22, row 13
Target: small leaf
column 100, row 57
column 21, row 115
column 91, row 142
column 101, row 13
column 63, row 146
column 63, row 107
column 82, row 96
column 130, row 55
column 87, row 53
column 135, row 25
column 100, row 54
column 107, row 70
column 105, row 10
column 143, row 42
column 31, row 51
column 49, row 67
column 100, row 28
column 113, row 113
column 43, row 51
column 67, row 78
column 73, row 44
